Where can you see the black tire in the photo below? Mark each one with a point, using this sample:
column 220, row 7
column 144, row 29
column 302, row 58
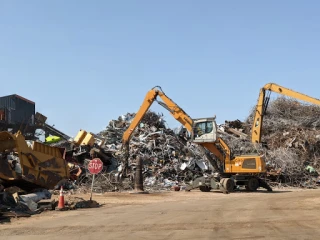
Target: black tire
column 228, row 184
column 205, row 188
column 253, row 184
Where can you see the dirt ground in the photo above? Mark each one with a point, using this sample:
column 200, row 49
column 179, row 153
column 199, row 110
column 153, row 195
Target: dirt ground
column 290, row 214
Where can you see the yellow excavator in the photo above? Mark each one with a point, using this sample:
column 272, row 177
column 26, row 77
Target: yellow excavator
column 262, row 105
column 240, row 170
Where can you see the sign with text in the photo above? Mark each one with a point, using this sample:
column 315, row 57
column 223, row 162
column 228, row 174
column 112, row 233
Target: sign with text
column 95, row 166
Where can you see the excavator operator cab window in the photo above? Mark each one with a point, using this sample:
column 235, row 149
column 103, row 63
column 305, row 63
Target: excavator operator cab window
column 203, row 128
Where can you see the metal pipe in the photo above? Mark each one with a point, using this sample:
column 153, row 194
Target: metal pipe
column 138, row 183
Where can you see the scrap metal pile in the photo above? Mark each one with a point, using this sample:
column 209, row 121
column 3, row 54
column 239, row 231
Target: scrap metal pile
column 167, row 156
column 16, row 202
column 291, row 132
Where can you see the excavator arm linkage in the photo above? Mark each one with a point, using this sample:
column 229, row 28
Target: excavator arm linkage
column 262, row 105
column 178, row 113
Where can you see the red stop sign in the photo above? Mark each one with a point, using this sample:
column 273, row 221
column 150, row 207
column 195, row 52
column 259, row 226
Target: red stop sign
column 95, row 166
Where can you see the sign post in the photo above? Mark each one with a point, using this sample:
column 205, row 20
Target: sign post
column 95, row 166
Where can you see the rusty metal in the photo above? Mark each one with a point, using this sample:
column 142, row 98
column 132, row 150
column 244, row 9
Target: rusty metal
column 138, row 183
column 138, row 179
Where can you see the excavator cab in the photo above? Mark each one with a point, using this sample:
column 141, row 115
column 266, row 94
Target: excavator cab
column 204, row 130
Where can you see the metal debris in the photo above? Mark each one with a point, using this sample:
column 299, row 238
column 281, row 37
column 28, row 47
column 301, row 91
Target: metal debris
column 290, row 145
column 168, row 158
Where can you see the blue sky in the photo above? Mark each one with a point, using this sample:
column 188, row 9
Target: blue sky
column 87, row 62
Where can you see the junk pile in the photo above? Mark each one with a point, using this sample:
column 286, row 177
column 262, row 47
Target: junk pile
column 16, row 202
column 168, row 158
column 291, row 132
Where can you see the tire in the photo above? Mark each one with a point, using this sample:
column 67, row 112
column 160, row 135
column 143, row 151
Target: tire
column 253, row 184
column 228, row 184
column 205, row 188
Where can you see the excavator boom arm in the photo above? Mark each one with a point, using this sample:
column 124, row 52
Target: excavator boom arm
column 261, row 106
column 177, row 112
column 147, row 102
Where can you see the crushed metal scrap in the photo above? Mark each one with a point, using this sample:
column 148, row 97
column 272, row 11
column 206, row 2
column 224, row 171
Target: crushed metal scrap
column 290, row 143
column 16, row 203
column 170, row 160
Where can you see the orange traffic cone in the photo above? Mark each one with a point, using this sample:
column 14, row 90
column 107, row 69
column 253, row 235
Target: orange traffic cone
column 61, row 200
